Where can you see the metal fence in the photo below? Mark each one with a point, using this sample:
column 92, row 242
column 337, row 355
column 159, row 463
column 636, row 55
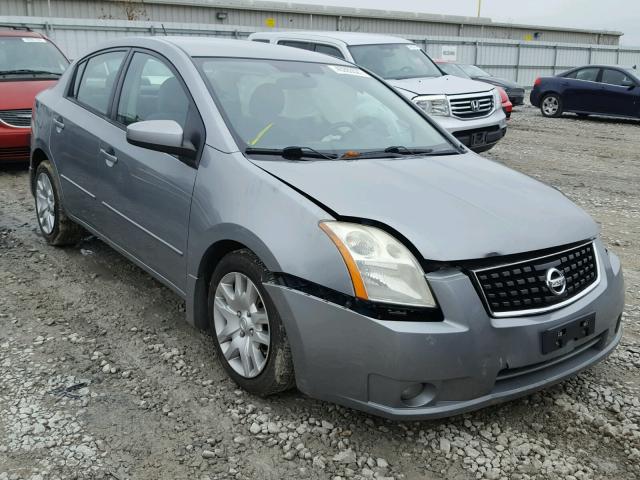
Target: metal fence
column 521, row 61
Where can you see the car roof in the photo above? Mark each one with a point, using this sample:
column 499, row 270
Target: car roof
column 218, row 47
column 601, row 66
column 10, row 32
column 348, row 38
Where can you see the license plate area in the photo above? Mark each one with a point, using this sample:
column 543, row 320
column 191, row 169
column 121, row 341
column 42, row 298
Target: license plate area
column 478, row 138
column 557, row 337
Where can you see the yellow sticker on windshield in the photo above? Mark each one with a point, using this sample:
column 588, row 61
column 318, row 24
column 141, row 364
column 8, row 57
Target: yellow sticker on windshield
column 345, row 70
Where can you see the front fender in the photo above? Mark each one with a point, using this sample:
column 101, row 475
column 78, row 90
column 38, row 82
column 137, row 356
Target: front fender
column 236, row 201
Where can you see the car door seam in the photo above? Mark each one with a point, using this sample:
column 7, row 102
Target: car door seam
column 148, row 232
column 62, row 175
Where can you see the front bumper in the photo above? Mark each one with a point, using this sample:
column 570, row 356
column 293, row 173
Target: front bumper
column 467, row 361
column 14, row 144
column 491, row 129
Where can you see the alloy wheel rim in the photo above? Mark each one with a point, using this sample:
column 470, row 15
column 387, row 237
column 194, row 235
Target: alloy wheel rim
column 241, row 324
column 45, row 203
column 550, row 105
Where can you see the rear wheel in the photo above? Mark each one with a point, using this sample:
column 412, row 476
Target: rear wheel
column 249, row 336
column 55, row 226
column 551, row 105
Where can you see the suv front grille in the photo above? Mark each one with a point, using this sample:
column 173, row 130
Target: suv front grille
column 521, row 288
column 471, row 107
column 16, row 118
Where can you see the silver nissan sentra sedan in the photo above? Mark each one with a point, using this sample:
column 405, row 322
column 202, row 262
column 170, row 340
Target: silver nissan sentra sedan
column 328, row 232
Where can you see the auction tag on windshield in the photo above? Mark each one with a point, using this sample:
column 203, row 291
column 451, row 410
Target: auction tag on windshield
column 413, row 47
column 33, row 40
column 344, row 70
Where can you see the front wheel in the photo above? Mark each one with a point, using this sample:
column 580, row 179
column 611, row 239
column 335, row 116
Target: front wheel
column 55, row 226
column 551, row 105
column 249, row 336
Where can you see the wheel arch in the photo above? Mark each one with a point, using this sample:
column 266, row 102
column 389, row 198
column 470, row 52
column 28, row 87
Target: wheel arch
column 37, row 157
column 198, row 283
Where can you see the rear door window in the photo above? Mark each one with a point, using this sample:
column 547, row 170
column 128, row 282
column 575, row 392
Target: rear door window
column 587, row 74
column 329, row 50
column 297, row 44
column 98, row 79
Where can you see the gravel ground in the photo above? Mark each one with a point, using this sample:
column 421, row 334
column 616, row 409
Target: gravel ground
column 101, row 377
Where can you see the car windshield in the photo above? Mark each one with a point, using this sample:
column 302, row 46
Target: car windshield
column 395, row 61
column 274, row 104
column 474, row 71
column 453, row 69
column 30, row 56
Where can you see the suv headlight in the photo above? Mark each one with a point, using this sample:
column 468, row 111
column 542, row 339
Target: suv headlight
column 497, row 99
column 381, row 268
column 433, row 104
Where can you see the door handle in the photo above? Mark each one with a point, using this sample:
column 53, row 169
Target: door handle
column 58, row 123
column 109, row 158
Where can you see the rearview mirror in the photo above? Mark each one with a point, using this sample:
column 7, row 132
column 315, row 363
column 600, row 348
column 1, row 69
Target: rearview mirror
column 160, row 135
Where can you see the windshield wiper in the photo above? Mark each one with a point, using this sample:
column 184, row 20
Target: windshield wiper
column 29, row 71
column 398, row 151
column 402, row 150
column 291, row 153
column 421, row 151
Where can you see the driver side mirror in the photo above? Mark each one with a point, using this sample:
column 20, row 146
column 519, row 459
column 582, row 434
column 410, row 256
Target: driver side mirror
column 161, row 136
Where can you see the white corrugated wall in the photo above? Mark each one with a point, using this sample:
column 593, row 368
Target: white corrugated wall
column 516, row 60
column 291, row 15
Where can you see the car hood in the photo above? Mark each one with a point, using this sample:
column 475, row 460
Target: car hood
column 458, row 207
column 447, row 84
column 20, row 94
column 501, row 82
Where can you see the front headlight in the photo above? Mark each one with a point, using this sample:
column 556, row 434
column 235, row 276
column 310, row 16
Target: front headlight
column 433, row 104
column 381, row 268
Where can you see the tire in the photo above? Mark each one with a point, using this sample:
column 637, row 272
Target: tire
column 551, row 105
column 264, row 369
column 56, row 228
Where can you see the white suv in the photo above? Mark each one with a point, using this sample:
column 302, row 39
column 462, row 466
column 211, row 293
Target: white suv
column 470, row 110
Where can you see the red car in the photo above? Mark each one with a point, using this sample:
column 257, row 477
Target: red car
column 29, row 63
column 507, row 106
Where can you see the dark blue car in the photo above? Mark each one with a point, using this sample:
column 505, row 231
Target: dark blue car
column 592, row 89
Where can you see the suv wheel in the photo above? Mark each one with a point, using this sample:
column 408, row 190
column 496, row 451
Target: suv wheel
column 55, row 226
column 249, row 337
column 551, row 105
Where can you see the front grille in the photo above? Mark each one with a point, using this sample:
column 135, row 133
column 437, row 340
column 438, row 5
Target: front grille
column 16, row 118
column 521, row 288
column 471, row 107
column 14, row 153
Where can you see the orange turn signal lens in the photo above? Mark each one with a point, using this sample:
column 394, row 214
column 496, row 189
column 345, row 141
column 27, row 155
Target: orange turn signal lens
column 356, row 279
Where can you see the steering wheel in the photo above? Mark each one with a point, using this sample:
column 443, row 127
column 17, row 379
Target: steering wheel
column 372, row 125
column 404, row 70
column 340, row 128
